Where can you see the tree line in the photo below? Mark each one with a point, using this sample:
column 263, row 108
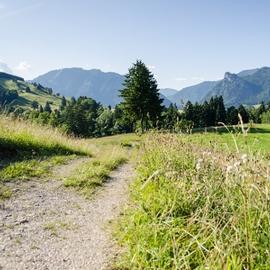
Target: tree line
column 141, row 109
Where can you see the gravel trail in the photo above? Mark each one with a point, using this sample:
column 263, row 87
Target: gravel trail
column 47, row 226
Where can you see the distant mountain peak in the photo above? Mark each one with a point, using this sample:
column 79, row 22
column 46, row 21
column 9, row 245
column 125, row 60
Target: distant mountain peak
column 102, row 86
column 230, row 76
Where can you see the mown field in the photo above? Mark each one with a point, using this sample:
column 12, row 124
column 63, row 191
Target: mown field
column 29, row 150
column 257, row 139
column 200, row 201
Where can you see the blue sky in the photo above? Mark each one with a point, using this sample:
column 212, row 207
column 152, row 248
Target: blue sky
column 182, row 41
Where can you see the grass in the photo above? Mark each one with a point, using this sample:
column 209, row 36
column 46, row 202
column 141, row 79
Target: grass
column 25, row 99
column 24, row 139
column 194, row 208
column 29, row 150
column 55, row 227
column 31, row 168
column 257, row 141
column 109, row 154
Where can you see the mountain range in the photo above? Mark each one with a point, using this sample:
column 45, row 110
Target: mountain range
column 102, row 86
column 247, row 87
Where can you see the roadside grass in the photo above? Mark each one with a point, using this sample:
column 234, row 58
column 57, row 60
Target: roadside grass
column 32, row 168
column 108, row 154
column 19, row 138
column 195, row 209
column 29, row 150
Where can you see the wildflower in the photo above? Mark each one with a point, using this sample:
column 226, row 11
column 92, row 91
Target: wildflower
column 229, row 169
column 198, row 164
column 244, row 158
column 237, row 164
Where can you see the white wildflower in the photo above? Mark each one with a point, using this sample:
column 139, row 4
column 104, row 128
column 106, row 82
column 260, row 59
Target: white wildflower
column 244, row 158
column 237, row 164
column 229, row 169
column 198, row 164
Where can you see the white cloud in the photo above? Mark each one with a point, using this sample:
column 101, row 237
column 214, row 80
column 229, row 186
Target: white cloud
column 23, row 66
column 2, row 6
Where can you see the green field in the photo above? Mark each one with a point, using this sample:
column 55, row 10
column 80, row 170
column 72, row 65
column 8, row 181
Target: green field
column 198, row 204
column 256, row 141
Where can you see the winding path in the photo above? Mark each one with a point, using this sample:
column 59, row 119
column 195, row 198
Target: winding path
column 46, row 226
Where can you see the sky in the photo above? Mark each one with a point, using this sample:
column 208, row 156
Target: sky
column 183, row 42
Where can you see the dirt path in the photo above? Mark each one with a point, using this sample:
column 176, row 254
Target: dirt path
column 46, row 226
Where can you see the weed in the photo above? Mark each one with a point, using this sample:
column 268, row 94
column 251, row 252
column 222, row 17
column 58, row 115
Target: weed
column 191, row 212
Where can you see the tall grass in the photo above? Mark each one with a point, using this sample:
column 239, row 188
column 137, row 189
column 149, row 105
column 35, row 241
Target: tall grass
column 96, row 171
column 196, row 208
column 22, row 138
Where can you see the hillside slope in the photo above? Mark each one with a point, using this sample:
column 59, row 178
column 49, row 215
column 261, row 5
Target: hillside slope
column 246, row 87
column 101, row 86
column 27, row 92
column 193, row 93
column 235, row 90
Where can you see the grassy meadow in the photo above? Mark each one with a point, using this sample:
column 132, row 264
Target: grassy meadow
column 199, row 201
column 197, row 206
column 30, row 150
column 257, row 139
column 109, row 153
column 26, row 98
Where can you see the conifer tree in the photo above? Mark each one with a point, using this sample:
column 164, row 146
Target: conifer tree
column 47, row 107
column 141, row 100
column 63, row 103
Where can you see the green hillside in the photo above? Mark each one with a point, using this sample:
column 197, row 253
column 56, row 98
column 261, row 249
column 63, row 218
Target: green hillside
column 28, row 92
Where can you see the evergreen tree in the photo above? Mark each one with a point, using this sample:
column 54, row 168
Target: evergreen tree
column 141, row 100
column 72, row 100
column 232, row 116
column 258, row 112
column 34, row 104
column 47, row 107
column 170, row 117
column 189, row 111
column 220, row 110
column 244, row 114
column 63, row 103
column 41, row 110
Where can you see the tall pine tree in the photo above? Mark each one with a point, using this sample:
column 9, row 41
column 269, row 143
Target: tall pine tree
column 141, row 100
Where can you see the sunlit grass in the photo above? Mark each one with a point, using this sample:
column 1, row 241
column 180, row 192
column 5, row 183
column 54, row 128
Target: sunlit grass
column 196, row 209
column 257, row 141
column 96, row 171
column 29, row 150
column 23, row 138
